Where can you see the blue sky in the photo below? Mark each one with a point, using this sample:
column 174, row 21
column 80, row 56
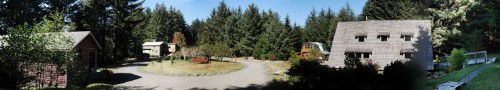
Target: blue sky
column 298, row 10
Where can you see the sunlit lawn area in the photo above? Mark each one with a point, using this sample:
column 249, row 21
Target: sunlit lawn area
column 488, row 79
column 183, row 68
column 278, row 66
column 453, row 76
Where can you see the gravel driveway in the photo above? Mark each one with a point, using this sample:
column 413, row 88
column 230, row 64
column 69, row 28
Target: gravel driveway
column 130, row 77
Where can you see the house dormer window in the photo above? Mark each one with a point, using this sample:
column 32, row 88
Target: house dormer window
column 383, row 36
column 361, row 36
column 407, row 53
column 406, row 36
column 361, row 53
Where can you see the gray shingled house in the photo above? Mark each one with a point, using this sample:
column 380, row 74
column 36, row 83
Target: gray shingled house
column 382, row 42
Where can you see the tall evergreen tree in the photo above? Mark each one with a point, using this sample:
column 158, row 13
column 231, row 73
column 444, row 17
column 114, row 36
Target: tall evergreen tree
column 311, row 27
column 346, row 14
column 196, row 29
column 297, row 36
column 126, row 15
column 214, row 27
column 95, row 16
column 448, row 19
column 18, row 12
column 392, row 10
column 251, row 28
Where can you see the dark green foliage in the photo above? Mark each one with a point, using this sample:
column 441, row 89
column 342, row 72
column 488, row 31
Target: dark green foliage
column 28, row 51
column 213, row 31
column 218, row 50
column 196, row 28
column 392, row 10
column 19, row 12
column 320, row 27
column 346, row 14
column 252, row 28
column 126, row 16
column 457, row 59
column 275, row 42
column 94, row 16
column 104, row 76
column 297, row 37
column 404, row 75
column 310, row 75
column 77, row 74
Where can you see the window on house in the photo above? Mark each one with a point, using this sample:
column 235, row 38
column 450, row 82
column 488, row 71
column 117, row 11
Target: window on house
column 357, row 55
column 406, row 38
column 406, row 55
column 361, row 38
column 366, row 55
column 383, row 37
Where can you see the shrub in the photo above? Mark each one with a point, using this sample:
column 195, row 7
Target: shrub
column 294, row 59
column 457, row 59
column 311, row 75
column 104, row 76
column 404, row 76
column 99, row 86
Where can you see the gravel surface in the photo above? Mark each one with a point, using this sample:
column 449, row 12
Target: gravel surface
column 130, row 77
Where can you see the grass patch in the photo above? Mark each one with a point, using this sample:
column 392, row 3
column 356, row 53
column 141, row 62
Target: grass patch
column 488, row 79
column 453, row 76
column 182, row 68
column 278, row 66
column 99, row 86
column 108, row 68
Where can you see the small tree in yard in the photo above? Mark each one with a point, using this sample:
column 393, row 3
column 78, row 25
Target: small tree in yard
column 222, row 50
column 457, row 59
column 219, row 50
column 206, row 50
column 181, row 41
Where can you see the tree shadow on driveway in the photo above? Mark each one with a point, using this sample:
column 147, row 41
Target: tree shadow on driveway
column 119, row 78
column 272, row 85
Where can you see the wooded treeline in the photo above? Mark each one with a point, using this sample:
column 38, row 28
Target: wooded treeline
column 469, row 24
column 122, row 26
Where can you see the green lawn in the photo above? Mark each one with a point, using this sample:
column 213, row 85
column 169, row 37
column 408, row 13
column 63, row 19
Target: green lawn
column 183, row 68
column 453, row 76
column 488, row 79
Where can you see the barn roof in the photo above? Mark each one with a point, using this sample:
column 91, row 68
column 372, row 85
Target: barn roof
column 152, row 43
column 76, row 37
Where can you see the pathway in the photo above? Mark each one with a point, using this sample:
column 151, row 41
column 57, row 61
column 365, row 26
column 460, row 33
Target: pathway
column 253, row 73
column 474, row 73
